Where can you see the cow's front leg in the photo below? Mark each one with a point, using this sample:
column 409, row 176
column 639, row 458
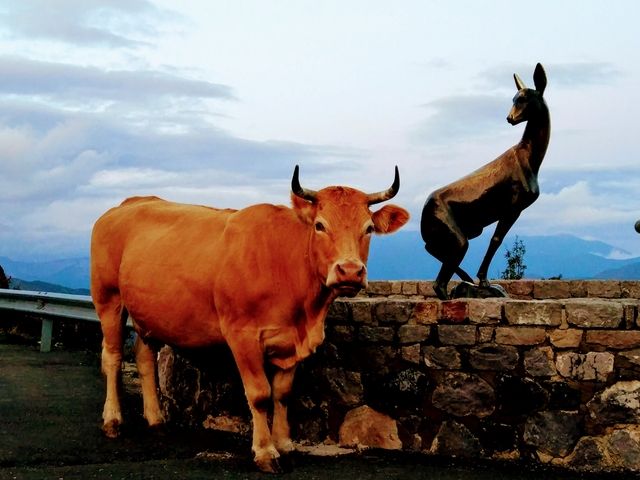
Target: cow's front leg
column 282, row 383
column 250, row 361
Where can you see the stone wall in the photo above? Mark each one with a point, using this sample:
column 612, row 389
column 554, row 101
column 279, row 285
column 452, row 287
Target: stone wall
column 550, row 375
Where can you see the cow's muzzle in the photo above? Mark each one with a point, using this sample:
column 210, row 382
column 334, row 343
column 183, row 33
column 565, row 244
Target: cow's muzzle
column 347, row 277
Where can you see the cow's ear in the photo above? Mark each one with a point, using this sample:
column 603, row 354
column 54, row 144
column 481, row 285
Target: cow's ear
column 305, row 210
column 390, row 218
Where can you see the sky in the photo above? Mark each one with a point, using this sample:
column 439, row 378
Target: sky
column 215, row 102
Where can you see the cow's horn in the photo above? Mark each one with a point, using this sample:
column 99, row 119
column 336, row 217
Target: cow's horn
column 299, row 191
column 385, row 195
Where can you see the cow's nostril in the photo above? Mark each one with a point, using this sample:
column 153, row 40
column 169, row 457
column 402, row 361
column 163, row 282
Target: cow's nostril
column 340, row 269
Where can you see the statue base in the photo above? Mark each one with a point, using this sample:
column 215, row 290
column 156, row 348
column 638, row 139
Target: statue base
column 471, row 290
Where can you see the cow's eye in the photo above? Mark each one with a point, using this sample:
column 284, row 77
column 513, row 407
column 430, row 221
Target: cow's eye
column 370, row 229
column 319, row 227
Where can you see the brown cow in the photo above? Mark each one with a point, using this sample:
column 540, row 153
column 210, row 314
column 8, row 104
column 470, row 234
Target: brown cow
column 260, row 279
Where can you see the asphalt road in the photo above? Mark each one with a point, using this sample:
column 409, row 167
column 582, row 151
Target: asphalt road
column 50, row 407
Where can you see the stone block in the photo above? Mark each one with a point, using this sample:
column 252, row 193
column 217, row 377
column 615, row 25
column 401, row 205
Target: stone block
column 454, row 311
column 463, row 394
column 552, row 432
column 380, row 288
column 625, row 444
column 618, row 404
column 590, row 454
column 585, row 366
column 410, row 288
column 630, row 313
column 426, row 312
column 426, row 289
column 457, row 334
column 342, row 333
column 228, row 424
column 485, row 334
column 487, row 311
column 338, row 312
column 397, row 311
column 413, row 333
column 578, row 288
column 498, row 437
column 617, row 339
column 494, row 357
column 341, row 386
column 604, row 289
column 375, row 334
column 396, row 287
column 520, row 335
column 630, row 288
column 539, row 362
column 548, row 289
column 411, row 353
column 570, row 338
column 521, row 289
column 446, row 358
column 364, row 426
column 518, row 396
column 523, row 312
column 632, row 356
column 454, row 439
column 361, row 311
column 594, row 314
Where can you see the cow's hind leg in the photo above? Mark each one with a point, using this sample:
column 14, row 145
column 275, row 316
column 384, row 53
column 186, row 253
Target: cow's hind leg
column 282, row 383
column 147, row 370
column 112, row 317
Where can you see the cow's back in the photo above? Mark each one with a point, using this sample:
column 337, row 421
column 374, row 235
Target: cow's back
column 157, row 256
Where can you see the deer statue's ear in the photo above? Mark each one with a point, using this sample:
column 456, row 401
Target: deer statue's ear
column 519, row 83
column 540, row 78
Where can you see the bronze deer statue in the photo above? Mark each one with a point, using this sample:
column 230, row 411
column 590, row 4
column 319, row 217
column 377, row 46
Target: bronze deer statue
column 498, row 191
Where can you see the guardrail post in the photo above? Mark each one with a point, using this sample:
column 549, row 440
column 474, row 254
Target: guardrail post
column 45, row 338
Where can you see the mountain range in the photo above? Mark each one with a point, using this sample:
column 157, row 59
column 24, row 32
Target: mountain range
column 401, row 256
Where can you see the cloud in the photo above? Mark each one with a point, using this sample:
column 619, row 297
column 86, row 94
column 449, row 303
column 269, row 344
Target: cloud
column 566, row 75
column 108, row 23
column 78, row 84
column 463, row 116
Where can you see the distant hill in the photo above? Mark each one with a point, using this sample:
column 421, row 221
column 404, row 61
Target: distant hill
column 72, row 272
column 37, row 286
column 626, row 272
column 402, row 256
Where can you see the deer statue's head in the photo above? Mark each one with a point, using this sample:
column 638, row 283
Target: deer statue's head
column 528, row 102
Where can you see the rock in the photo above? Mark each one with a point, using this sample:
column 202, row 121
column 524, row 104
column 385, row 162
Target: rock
column 453, row 311
column 494, row 357
column 519, row 396
column 619, row 403
column 585, row 366
column 463, row 394
column 376, row 334
column 553, row 432
column 366, row 427
column 625, row 444
column 446, row 358
column 538, row 362
column 594, row 314
column 632, row 356
column 470, row 290
column 497, row 437
column 411, row 353
column 485, row 311
column 563, row 396
column 457, row 334
column 342, row 386
column 526, row 312
column 590, row 454
column 413, row 333
column 404, row 390
column 456, row 440
column 396, row 311
column 228, row 424
column 569, row 338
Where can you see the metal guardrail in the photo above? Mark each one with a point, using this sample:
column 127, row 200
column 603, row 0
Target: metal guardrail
column 49, row 306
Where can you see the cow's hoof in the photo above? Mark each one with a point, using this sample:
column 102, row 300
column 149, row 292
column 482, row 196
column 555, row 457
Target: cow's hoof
column 111, row 429
column 159, row 429
column 269, row 465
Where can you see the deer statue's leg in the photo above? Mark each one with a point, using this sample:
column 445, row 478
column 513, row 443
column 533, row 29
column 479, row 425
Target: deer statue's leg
column 112, row 317
column 146, row 363
column 249, row 357
column 281, row 384
column 501, row 231
column 449, row 246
